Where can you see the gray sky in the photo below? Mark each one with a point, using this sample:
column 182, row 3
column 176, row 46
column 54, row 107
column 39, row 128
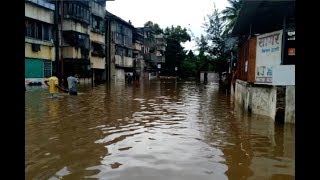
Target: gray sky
column 186, row 13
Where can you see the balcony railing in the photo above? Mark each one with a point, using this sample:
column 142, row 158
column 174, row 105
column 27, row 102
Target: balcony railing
column 161, row 59
column 150, row 57
column 123, row 61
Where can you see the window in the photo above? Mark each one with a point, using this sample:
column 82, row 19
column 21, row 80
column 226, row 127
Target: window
column 129, row 53
column 39, row 30
column 119, row 51
column 74, row 9
column 32, row 29
column 46, row 32
column 47, row 69
column 87, row 17
column 65, row 8
column 94, row 22
column 28, row 27
column 70, row 8
column 78, row 10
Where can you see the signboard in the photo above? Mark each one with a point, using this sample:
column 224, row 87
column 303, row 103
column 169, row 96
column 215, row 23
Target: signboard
column 284, row 75
column 291, row 51
column 268, row 55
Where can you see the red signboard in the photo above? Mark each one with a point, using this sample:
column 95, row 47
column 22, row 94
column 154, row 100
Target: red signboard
column 291, row 51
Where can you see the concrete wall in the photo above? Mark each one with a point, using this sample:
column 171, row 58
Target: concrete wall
column 97, row 62
column 97, row 37
column 212, row 77
column 260, row 100
column 36, row 12
column 71, row 52
column 70, row 25
column 119, row 74
column 137, row 46
column 29, row 80
column 123, row 61
column 97, row 9
column 290, row 105
column 263, row 100
column 46, row 52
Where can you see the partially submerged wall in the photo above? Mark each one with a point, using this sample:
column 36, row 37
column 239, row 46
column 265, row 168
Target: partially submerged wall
column 290, row 105
column 258, row 100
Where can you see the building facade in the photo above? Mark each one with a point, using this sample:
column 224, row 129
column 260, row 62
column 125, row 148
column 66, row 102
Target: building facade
column 97, row 41
column 153, row 49
column 39, row 41
column 138, row 61
column 119, row 45
column 73, row 19
column 266, row 59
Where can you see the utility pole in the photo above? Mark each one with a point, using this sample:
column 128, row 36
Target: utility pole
column 57, row 42
column 61, row 47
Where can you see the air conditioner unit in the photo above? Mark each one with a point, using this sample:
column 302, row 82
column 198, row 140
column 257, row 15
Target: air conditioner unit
column 35, row 47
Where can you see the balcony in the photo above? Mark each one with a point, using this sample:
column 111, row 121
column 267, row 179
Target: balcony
column 150, row 57
column 98, row 50
column 123, row 61
column 161, row 59
column 161, row 48
column 76, row 10
column 76, row 39
column 137, row 46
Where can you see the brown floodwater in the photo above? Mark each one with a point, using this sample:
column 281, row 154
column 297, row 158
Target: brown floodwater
column 155, row 130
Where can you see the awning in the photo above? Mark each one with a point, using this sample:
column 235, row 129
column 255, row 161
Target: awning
column 263, row 16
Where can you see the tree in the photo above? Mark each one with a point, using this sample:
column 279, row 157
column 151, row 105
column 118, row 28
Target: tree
column 216, row 42
column 177, row 33
column 154, row 26
column 230, row 15
column 189, row 66
column 175, row 53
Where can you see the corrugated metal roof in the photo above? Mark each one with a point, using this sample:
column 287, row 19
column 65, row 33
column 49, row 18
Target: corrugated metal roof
column 108, row 14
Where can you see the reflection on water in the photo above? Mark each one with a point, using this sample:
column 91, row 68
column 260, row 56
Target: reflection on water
column 153, row 130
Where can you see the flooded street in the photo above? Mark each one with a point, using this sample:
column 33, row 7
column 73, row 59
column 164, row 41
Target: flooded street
column 153, row 130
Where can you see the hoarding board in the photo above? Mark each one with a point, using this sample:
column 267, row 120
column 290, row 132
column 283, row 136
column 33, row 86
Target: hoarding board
column 268, row 55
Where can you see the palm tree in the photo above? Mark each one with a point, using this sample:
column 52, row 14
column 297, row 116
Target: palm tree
column 230, row 15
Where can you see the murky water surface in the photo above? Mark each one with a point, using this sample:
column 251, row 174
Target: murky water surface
column 155, row 130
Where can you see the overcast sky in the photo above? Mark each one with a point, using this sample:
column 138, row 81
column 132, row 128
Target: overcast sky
column 186, row 13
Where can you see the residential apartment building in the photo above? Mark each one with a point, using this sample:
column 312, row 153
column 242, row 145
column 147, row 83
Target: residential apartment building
column 138, row 61
column 153, row 49
column 97, row 41
column 39, row 40
column 119, row 43
column 73, row 20
column 161, row 44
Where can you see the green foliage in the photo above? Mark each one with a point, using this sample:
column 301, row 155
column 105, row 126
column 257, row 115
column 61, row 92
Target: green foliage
column 230, row 15
column 154, row 26
column 175, row 53
column 177, row 34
